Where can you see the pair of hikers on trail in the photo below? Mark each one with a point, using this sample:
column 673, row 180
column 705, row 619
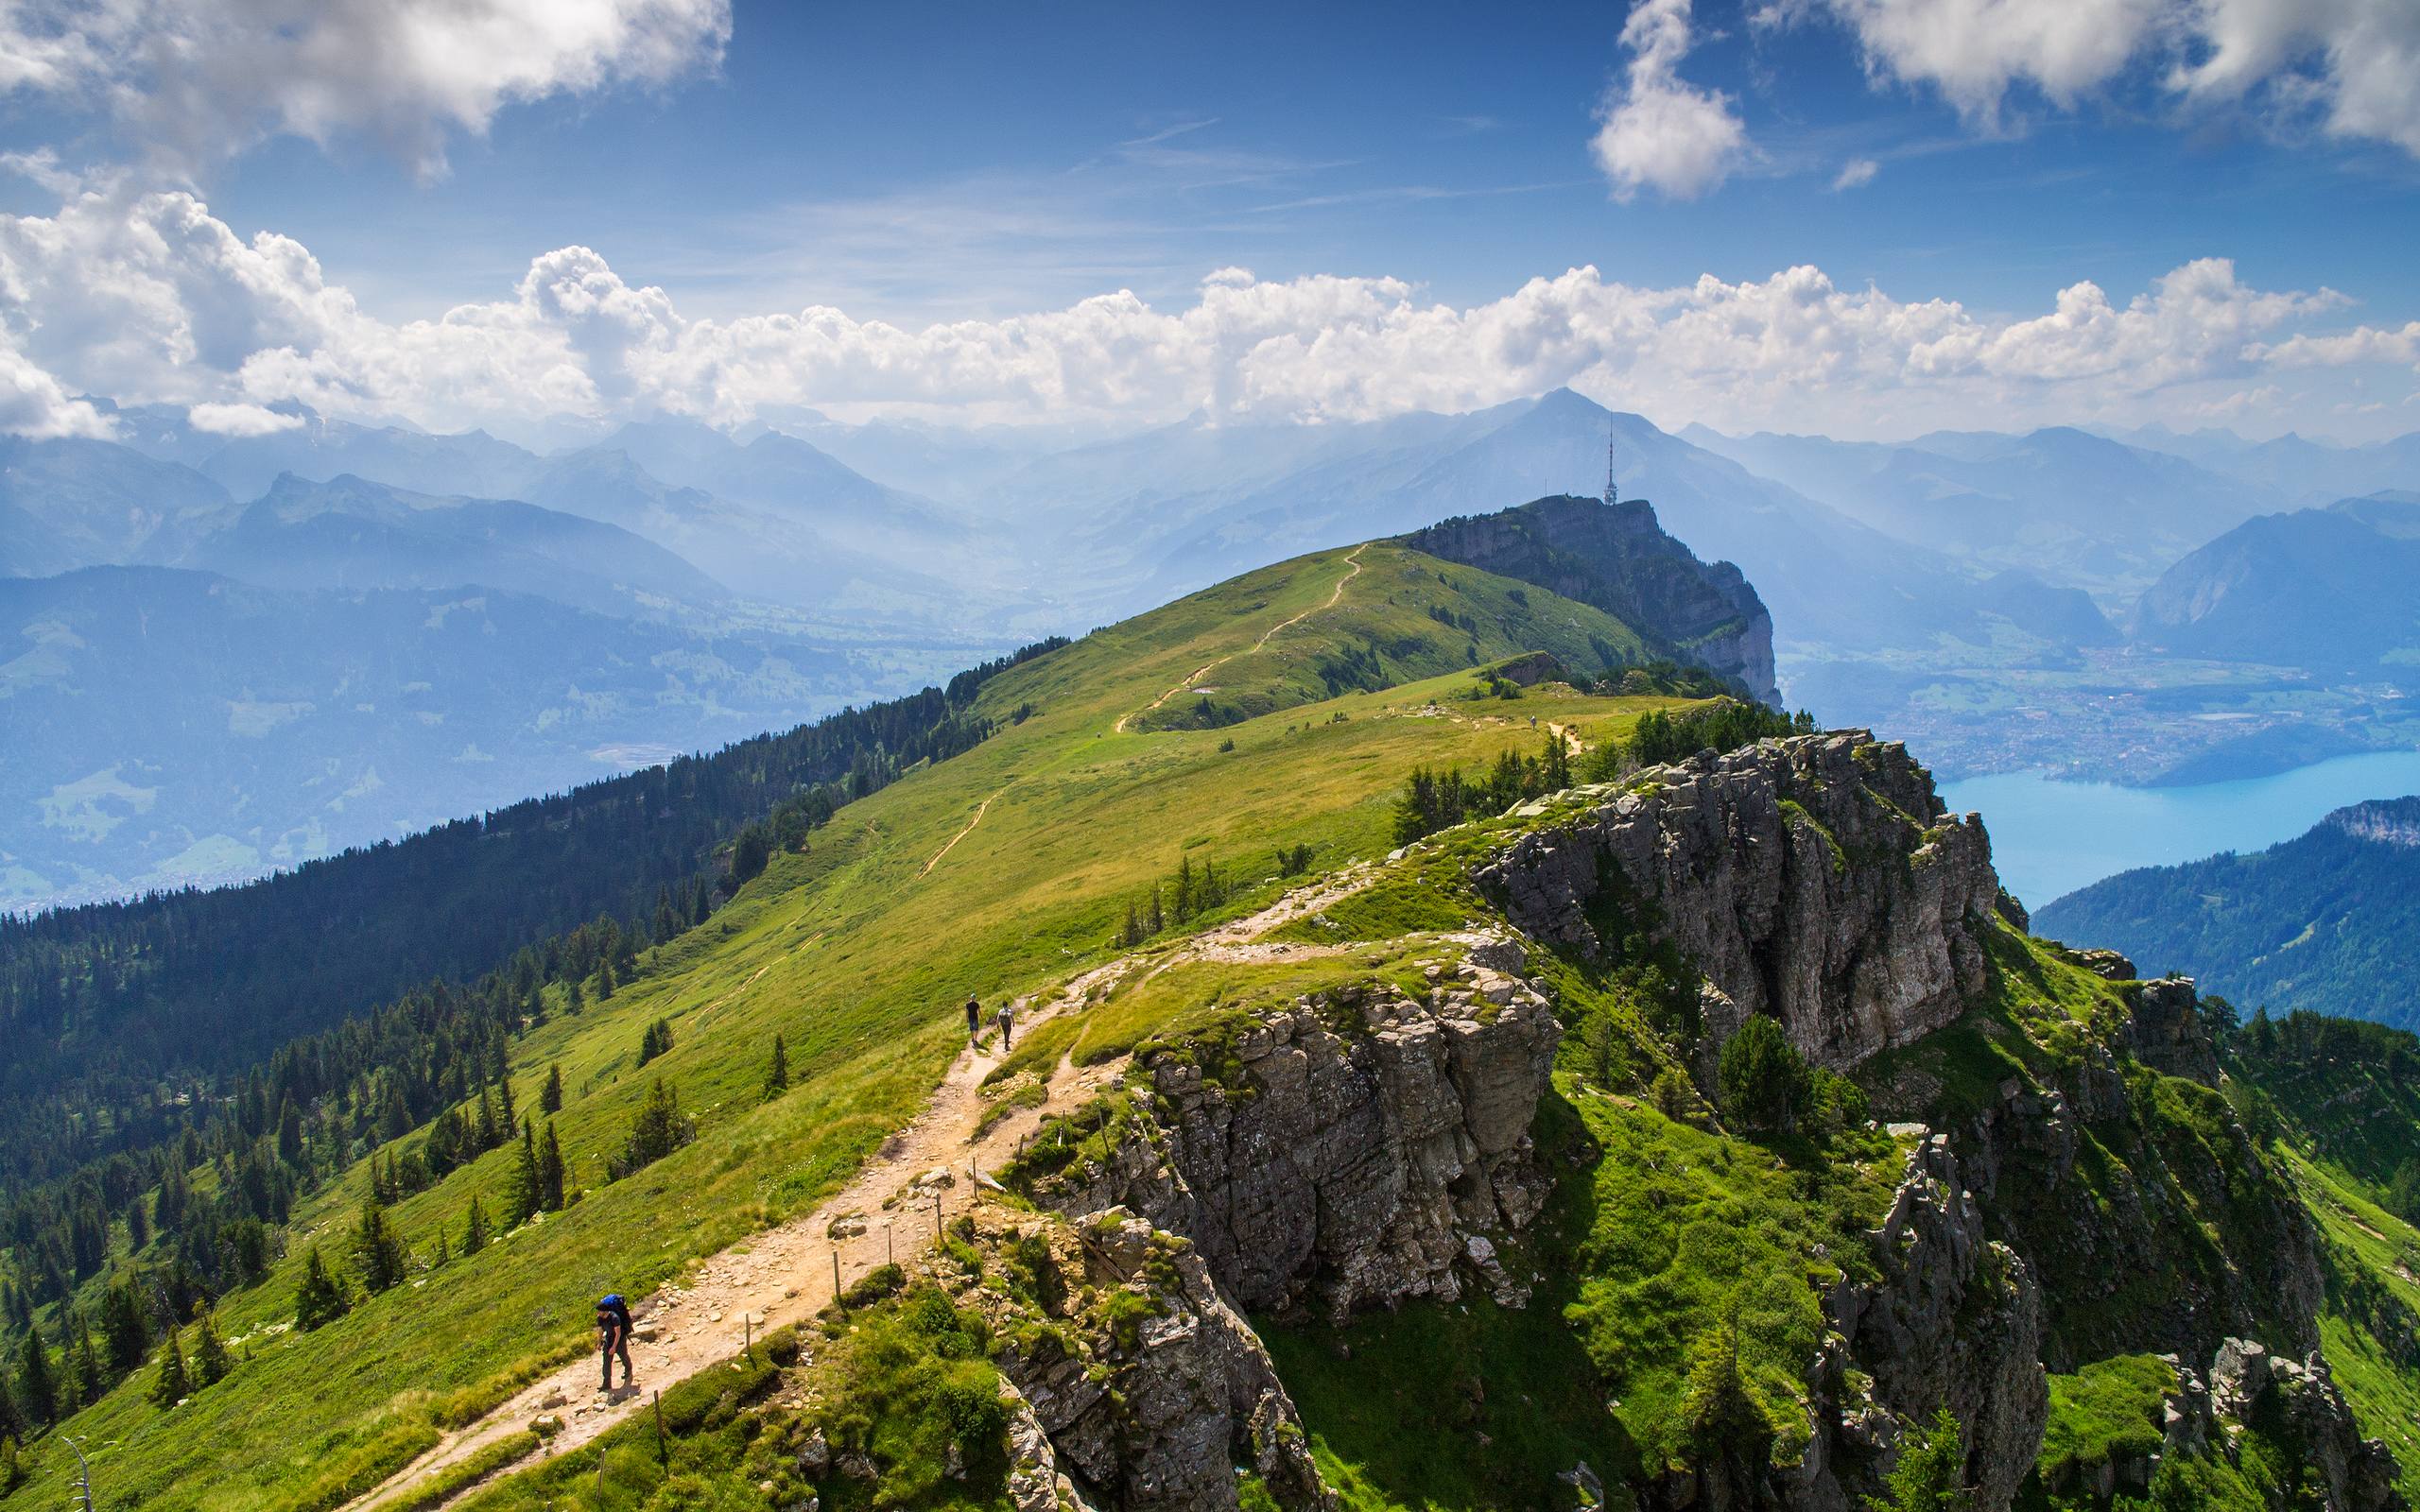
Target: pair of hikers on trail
column 614, row 1337
column 1008, row 1016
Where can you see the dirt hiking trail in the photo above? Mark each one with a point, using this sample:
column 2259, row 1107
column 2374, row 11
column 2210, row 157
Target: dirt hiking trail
column 782, row 1275
column 1353, row 569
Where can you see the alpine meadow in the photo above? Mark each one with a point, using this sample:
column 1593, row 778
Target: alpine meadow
column 1645, row 758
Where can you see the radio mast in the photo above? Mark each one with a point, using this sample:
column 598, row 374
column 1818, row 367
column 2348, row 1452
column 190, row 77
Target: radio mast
column 1613, row 493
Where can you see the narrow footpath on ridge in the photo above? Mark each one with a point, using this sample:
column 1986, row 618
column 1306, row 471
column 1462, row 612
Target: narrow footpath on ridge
column 1353, row 569
column 782, row 1275
column 980, row 809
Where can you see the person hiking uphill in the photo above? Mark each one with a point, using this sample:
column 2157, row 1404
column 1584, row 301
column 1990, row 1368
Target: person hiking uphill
column 1007, row 1023
column 614, row 1337
column 974, row 1016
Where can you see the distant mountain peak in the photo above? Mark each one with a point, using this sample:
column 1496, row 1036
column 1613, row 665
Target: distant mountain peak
column 1619, row 558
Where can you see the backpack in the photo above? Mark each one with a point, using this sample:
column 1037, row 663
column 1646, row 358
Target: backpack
column 613, row 1304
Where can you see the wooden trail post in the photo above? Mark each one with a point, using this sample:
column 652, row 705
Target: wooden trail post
column 937, row 1218
column 888, row 1258
column 663, row 1455
column 748, row 1335
column 836, row 1278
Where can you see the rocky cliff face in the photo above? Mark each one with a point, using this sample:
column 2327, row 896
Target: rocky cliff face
column 2114, row 1204
column 1357, row 1150
column 2383, row 821
column 1155, row 1395
column 1371, row 1146
column 1616, row 558
column 1817, row 880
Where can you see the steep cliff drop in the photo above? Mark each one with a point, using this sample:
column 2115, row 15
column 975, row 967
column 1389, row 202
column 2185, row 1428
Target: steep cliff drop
column 1616, row 558
column 1377, row 1145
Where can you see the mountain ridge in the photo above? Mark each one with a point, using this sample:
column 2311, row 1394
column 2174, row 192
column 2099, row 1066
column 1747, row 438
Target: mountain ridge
column 2323, row 923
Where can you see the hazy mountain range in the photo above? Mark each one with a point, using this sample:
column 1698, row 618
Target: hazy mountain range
column 677, row 585
column 2334, row 590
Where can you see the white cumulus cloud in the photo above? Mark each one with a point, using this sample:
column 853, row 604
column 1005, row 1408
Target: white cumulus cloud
column 2350, row 66
column 194, row 80
column 240, row 420
column 1857, row 173
column 149, row 298
column 1657, row 131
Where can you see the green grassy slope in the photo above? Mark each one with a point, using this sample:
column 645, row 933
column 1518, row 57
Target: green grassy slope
column 857, row 951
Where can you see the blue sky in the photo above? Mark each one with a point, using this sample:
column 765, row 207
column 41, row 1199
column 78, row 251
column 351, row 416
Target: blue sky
column 973, row 162
column 1411, row 142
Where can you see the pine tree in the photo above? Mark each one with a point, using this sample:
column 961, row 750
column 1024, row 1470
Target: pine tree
column 521, row 1194
column 13, row 1428
column 378, row 1254
column 211, row 1361
column 1722, row 1417
column 475, row 1228
column 605, row 979
column 1931, row 1472
column 574, row 997
column 320, row 1300
column 84, row 1362
column 1761, row 1075
column 126, row 1328
column 777, row 1076
column 138, row 1229
column 659, row 1129
column 289, row 1133
column 550, row 1172
column 1558, row 763
column 37, row 1388
column 505, row 1111
column 550, row 1096
column 171, row 1385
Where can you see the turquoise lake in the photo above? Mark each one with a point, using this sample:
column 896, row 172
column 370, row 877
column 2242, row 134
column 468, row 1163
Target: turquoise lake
column 2048, row 838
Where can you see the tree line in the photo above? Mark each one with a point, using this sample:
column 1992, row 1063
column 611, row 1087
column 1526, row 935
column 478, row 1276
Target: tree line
column 151, row 1206
column 102, row 1001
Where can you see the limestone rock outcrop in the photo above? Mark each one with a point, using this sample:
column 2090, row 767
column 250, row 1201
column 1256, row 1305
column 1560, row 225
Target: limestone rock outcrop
column 1815, row 878
column 1955, row 1321
column 2355, row 1474
column 1348, row 1149
column 2165, row 1030
column 1616, row 558
column 1139, row 1387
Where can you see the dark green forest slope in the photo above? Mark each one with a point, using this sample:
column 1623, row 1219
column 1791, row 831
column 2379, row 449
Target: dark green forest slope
column 2328, row 922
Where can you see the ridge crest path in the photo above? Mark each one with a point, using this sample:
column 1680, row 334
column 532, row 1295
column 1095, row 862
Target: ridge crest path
column 1353, row 569
column 781, row 1275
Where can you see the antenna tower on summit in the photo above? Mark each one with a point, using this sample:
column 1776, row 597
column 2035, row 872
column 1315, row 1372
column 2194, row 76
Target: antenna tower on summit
column 1613, row 493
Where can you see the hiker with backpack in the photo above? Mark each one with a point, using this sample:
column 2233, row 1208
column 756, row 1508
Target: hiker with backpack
column 614, row 1337
column 1008, row 1022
